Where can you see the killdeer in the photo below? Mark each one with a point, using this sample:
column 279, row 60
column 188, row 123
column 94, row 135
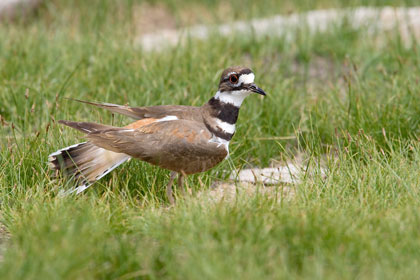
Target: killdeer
column 183, row 139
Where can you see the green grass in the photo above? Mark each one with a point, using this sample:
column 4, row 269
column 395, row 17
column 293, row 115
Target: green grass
column 352, row 105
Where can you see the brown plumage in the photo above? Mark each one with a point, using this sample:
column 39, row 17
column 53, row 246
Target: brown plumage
column 183, row 139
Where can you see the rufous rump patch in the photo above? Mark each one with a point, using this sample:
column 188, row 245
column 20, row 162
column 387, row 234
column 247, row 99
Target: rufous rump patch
column 140, row 123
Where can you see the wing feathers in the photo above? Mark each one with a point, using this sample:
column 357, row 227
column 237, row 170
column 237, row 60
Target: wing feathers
column 157, row 112
column 178, row 145
column 133, row 112
column 86, row 127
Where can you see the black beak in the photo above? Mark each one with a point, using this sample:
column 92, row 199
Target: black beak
column 256, row 89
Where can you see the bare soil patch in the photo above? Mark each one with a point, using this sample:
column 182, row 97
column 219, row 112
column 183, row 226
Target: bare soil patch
column 227, row 192
column 151, row 18
column 376, row 21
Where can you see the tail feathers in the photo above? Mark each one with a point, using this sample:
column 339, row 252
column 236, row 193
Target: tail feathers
column 85, row 163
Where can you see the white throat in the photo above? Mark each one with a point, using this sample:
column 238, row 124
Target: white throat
column 232, row 97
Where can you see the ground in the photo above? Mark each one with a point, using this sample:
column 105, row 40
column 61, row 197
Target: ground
column 338, row 102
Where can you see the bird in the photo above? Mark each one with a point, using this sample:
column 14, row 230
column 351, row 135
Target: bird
column 183, row 139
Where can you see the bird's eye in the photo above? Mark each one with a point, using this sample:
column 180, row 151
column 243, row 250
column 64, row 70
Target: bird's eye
column 233, row 78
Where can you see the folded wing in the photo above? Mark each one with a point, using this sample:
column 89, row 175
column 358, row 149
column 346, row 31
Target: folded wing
column 157, row 112
column 179, row 145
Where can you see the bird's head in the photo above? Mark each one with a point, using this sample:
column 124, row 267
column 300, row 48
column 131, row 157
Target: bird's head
column 236, row 83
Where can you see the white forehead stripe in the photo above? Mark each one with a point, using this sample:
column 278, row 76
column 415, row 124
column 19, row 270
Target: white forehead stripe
column 246, row 78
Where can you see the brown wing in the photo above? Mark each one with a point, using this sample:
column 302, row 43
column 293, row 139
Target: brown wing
column 179, row 145
column 157, row 112
column 86, row 127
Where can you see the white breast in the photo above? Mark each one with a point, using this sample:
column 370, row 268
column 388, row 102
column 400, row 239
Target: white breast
column 226, row 127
